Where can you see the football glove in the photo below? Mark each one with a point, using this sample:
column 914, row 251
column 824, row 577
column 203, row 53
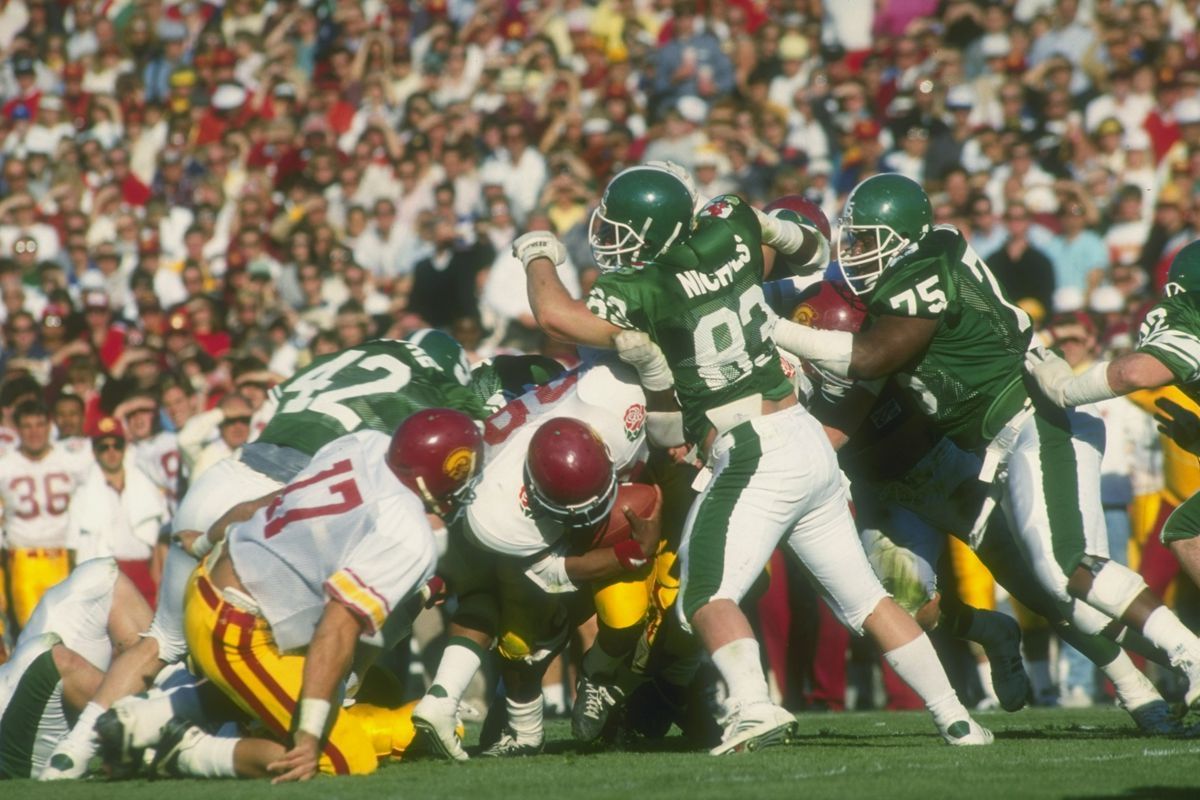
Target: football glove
column 1059, row 382
column 539, row 244
column 636, row 350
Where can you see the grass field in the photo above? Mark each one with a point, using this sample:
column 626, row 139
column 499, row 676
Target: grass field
column 1039, row 753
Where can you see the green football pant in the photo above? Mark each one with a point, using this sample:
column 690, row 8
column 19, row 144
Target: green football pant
column 775, row 478
column 1184, row 522
column 1053, row 495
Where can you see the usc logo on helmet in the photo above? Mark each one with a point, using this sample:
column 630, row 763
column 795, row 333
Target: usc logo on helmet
column 804, row 314
column 459, row 464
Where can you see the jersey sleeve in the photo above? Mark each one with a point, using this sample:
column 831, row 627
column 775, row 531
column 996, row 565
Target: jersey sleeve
column 549, row 573
column 620, row 298
column 391, row 562
column 1169, row 333
column 912, row 289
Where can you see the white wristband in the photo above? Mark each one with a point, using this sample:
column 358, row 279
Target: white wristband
column 829, row 350
column 782, row 234
column 201, row 546
column 1091, row 386
column 314, row 713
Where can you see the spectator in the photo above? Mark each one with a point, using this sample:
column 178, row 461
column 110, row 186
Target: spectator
column 1078, row 254
column 1023, row 270
column 208, row 437
column 444, row 282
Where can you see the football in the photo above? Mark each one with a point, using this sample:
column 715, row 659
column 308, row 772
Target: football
column 641, row 499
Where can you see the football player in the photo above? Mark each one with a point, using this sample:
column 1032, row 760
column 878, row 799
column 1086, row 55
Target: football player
column 1167, row 354
column 938, row 321
column 325, row 564
column 60, row 656
column 684, row 301
column 373, row 386
column 37, row 479
column 912, row 487
column 554, row 458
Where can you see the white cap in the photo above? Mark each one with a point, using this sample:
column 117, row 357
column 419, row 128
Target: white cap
column 793, row 47
column 1136, row 139
column 1068, row 298
column 995, row 45
column 1107, row 300
column 960, row 96
column 228, row 96
column 692, row 108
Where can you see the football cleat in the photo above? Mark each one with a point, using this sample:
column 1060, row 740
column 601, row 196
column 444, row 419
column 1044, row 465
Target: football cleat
column 437, row 723
column 1190, row 667
column 594, row 703
column 1002, row 644
column 177, row 736
column 510, row 745
column 966, row 732
column 1155, row 719
column 114, row 732
column 754, row 727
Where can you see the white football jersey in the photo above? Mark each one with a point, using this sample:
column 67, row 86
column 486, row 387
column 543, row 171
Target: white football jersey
column 158, row 458
column 607, row 396
column 36, row 495
column 344, row 529
column 77, row 610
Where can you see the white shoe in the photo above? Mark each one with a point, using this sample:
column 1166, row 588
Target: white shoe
column 69, row 760
column 436, row 721
column 755, row 726
column 965, row 732
column 1182, row 660
column 1076, row 697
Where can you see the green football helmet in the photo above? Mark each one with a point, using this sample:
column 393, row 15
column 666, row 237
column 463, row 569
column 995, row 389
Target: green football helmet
column 1184, row 274
column 883, row 215
column 644, row 211
column 446, row 352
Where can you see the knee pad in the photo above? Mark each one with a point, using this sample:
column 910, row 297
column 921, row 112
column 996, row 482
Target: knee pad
column 1114, row 586
column 622, row 604
column 1085, row 618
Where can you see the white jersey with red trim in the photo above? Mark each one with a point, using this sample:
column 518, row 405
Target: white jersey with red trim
column 37, row 493
column 607, row 396
column 158, row 458
column 344, row 529
column 77, row 610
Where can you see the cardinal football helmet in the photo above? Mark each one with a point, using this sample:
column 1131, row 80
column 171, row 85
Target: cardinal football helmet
column 569, row 475
column 644, row 211
column 883, row 215
column 438, row 453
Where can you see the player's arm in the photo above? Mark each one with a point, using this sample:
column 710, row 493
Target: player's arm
column 1101, row 381
column 198, row 544
column 842, row 418
column 326, row 664
column 785, row 231
column 558, row 314
column 623, row 557
column 876, row 353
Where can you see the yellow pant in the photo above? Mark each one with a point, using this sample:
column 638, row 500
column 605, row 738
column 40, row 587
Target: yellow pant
column 236, row 651
column 31, row 571
column 976, row 587
column 391, row 729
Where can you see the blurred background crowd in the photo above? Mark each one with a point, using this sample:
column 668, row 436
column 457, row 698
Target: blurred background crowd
column 197, row 198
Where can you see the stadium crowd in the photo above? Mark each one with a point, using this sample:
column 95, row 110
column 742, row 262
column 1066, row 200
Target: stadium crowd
column 198, row 198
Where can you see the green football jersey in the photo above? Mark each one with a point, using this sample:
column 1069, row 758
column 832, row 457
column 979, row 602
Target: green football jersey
column 973, row 364
column 374, row 386
column 702, row 303
column 1171, row 333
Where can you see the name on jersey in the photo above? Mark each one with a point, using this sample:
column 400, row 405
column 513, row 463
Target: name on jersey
column 697, row 283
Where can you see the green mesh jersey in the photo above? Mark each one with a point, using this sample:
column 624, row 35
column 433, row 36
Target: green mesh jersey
column 1171, row 333
column 702, row 303
column 973, row 364
column 373, row 386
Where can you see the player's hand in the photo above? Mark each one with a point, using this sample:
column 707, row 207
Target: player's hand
column 539, row 244
column 1180, row 424
column 433, row 593
column 1051, row 373
column 646, row 531
column 636, row 350
column 300, row 763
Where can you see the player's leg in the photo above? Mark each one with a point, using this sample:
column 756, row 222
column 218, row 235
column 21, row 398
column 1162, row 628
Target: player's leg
column 234, row 650
column 1181, row 534
column 732, row 529
column 470, row 578
column 825, row 543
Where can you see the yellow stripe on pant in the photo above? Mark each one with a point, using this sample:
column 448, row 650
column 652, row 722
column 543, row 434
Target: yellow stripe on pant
column 236, row 651
column 31, row 571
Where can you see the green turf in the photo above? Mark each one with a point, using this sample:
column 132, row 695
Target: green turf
column 1038, row 753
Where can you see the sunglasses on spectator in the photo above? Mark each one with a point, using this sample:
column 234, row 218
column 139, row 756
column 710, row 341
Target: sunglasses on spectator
column 235, row 421
column 105, row 446
column 21, row 329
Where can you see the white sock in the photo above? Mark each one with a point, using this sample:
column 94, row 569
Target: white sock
column 84, row 732
column 554, row 697
column 209, row 757
column 1164, row 630
column 1039, row 676
column 985, row 680
column 742, row 670
column 1133, row 688
column 455, row 671
column 525, row 719
column 917, row 665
